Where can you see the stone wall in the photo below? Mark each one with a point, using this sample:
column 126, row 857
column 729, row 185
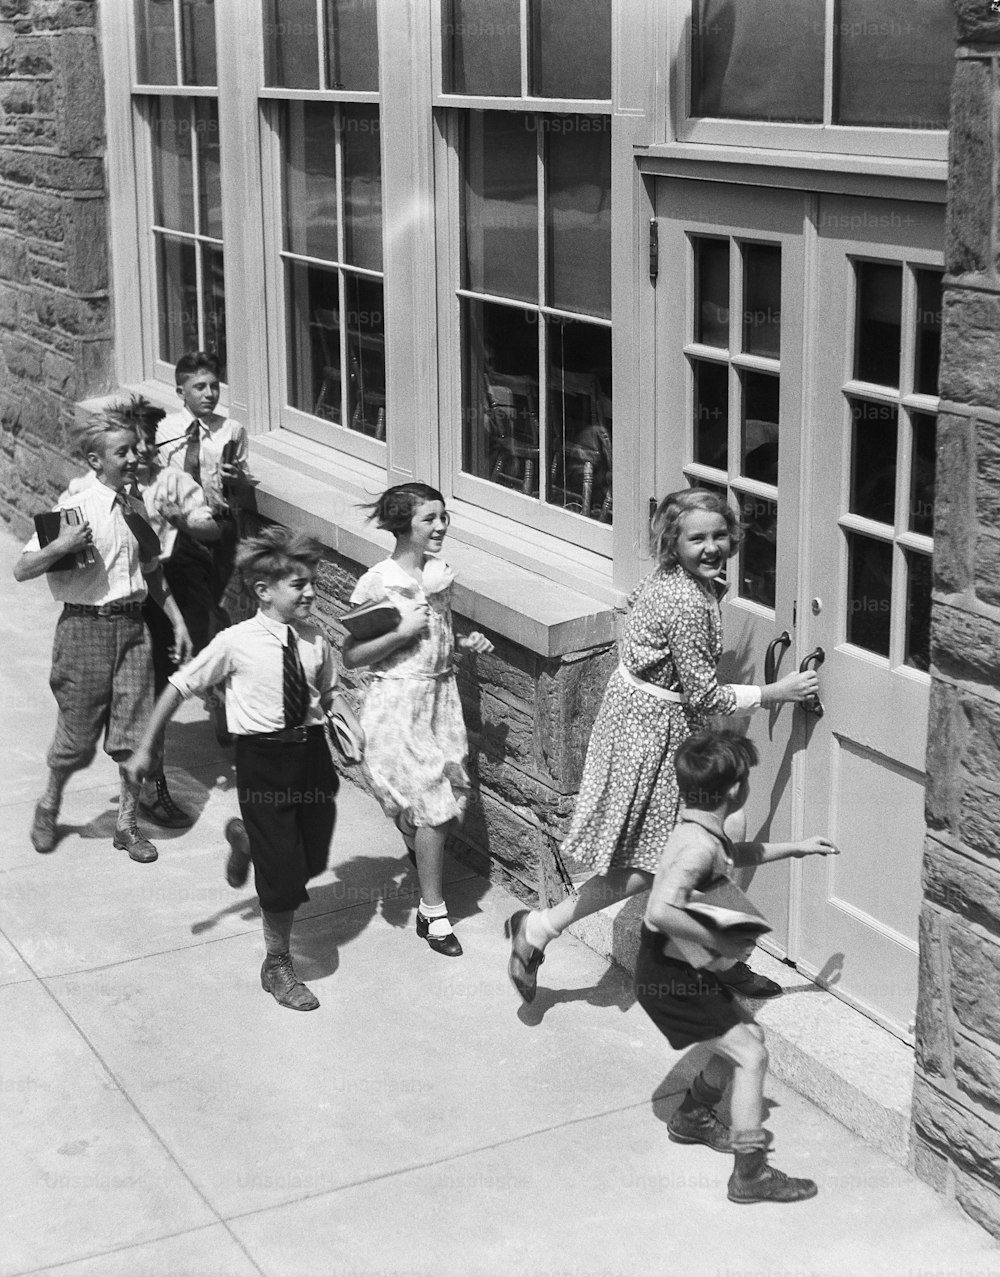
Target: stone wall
column 956, row 1112
column 529, row 719
column 55, row 320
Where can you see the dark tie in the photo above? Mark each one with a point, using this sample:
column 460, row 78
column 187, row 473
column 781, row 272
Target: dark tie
column 149, row 542
column 295, row 692
column 192, row 452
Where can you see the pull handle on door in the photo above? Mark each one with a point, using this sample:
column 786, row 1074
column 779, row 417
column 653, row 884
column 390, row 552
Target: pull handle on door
column 812, row 704
column 775, row 651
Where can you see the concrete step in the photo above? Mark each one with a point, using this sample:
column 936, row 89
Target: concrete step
column 842, row 1062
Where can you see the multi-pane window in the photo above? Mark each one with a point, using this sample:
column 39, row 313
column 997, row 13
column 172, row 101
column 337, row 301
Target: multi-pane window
column 734, row 359
column 333, row 263
column 891, row 405
column 528, row 48
column 535, row 301
column 175, row 46
column 870, row 63
column 331, row 207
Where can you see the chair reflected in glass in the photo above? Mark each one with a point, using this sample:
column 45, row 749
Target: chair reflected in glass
column 511, row 419
column 325, row 326
column 366, row 382
column 581, row 469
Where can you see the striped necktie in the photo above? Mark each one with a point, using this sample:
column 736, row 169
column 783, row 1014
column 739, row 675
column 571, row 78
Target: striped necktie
column 149, row 542
column 295, row 691
column 192, row 452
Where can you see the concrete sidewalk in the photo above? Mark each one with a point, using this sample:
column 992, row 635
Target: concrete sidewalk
column 163, row 1116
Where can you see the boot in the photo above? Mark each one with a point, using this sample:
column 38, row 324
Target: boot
column 699, row 1125
column 753, row 1180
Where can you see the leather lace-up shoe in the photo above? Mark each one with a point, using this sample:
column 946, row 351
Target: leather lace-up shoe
column 699, row 1126
column 747, row 983
column 770, row 1185
column 238, row 864
column 524, row 959
column 450, row 945
column 163, row 811
column 136, row 844
column 277, row 977
column 43, row 829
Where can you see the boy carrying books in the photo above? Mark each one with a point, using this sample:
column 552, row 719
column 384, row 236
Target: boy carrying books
column 680, row 952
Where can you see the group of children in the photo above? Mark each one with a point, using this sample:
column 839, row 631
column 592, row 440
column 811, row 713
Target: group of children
column 661, row 798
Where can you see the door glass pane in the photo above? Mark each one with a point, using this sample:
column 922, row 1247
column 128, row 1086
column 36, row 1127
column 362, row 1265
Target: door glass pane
column 711, row 413
column 869, row 592
column 879, row 322
column 571, row 48
column 291, row 44
column 894, row 62
column 314, row 372
column 311, row 180
column 918, row 610
column 362, row 186
column 758, row 59
column 928, row 335
column 173, row 181
column 500, row 206
column 214, row 302
column 922, row 479
column 206, row 124
column 366, row 353
column 711, row 290
column 351, row 45
column 500, row 394
column 198, row 34
column 762, row 300
column 761, row 394
column 578, row 213
column 579, row 459
column 156, row 54
column 758, row 553
column 482, row 43
column 177, row 297
column 873, row 460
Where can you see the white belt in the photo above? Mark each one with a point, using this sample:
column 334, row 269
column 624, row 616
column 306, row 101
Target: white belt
column 661, row 693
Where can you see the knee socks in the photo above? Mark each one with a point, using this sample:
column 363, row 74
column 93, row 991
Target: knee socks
column 128, row 803
column 701, row 1095
column 51, row 800
column 277, row 931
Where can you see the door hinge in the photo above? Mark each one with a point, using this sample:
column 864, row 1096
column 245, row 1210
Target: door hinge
column 795, row 613
column 654, row 250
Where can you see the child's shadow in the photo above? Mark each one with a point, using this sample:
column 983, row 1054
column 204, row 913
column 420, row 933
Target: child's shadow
column 614, row 989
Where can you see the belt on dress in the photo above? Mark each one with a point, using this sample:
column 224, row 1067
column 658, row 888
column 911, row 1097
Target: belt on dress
column 288, row 735
column 661, row 693
column 104, row 609
column 419, row 674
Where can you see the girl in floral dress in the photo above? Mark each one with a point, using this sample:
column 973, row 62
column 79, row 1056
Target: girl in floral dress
column 664, row 687
column 416, row 745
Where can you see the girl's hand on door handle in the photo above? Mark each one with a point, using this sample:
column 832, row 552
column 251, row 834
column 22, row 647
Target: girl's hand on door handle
column 793, row 687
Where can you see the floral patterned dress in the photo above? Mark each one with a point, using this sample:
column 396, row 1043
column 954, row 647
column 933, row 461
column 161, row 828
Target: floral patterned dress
column 628, row 795
column 416, row 744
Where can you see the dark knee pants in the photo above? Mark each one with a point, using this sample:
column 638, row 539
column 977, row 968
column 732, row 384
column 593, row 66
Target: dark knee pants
column 189, row 574
column 102, row 679
column 287, row 795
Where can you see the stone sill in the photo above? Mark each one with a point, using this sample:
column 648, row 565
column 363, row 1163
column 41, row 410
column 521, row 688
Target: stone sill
column 306, row 486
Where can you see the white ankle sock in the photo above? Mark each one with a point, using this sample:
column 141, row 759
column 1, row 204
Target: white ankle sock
column 437, row 917
column 538, row 931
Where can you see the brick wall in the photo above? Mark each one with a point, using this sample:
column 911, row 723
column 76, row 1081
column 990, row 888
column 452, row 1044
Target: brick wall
column 55, row 320
column 957, row 1093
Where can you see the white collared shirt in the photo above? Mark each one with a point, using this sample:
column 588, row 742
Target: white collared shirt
column 249, row 658
column 116, row 576
column 171, row 443
column 169, row 487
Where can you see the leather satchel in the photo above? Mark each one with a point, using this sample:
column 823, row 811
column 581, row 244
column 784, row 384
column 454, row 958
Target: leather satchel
column 347, row 736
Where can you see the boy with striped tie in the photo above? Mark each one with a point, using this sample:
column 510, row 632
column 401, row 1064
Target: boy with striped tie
column 279, row 677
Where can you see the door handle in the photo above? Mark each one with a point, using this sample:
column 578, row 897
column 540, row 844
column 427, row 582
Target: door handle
column 775, row 651
column 812, row 704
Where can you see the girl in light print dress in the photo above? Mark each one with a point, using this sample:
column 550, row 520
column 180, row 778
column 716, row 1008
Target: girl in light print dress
column 416, row 744
column 664, row 687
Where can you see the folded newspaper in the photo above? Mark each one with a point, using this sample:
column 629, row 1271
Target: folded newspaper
column 722, row 907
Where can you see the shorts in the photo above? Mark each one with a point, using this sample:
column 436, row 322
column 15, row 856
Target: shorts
column 685, row 1004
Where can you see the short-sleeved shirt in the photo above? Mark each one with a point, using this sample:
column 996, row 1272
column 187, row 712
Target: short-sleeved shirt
column 117, row 575
column 171, row 444
column 696, row 852
column 168, row 487
column 249, row 658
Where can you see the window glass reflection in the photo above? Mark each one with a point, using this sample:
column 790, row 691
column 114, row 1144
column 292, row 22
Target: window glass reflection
column 874, row 427
column 571, row 48
column 711, row 290
column 869, row 593
column 315, row 382
column 362, row 186
column 198, row 41
column 311, row 180
column 758, row 552
column 352, row 45
column 177, row 297
column 761, row 395
column 291, row 44
column 711, row 413
column 922, row 479
column 156, row 49
column 579, row 458
column 878, row 325
column 918, row 610
column 500, row 206
column 762, row 300
column 578, row 212
column 173, row 176
column 927, row 349
column 482, row 43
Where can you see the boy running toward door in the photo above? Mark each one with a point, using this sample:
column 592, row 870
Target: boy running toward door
column 691, row 1004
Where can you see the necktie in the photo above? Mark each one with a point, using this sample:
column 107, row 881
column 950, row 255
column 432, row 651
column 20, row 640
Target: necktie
column 295, row 692
column 192, row 452
column 149, row 542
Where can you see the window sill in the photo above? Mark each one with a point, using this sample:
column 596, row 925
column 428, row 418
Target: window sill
column 304, row 485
